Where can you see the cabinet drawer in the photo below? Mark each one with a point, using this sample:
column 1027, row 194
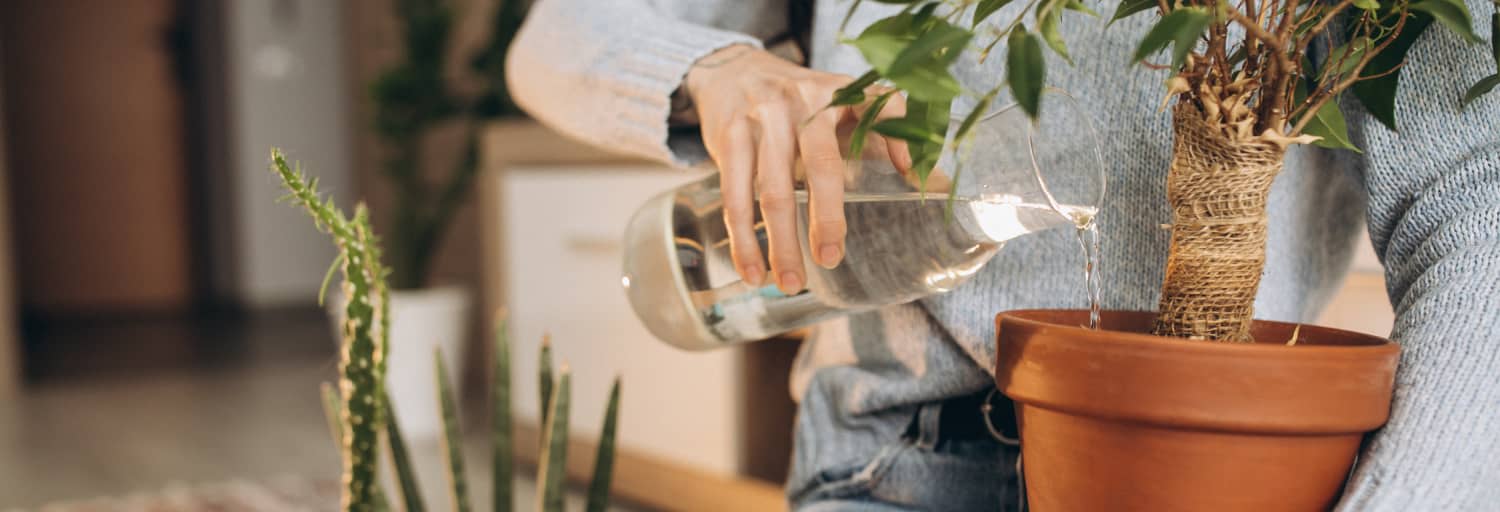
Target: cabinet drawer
column 563, row 248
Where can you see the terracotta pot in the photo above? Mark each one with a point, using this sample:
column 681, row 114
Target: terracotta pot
column 1114, row 419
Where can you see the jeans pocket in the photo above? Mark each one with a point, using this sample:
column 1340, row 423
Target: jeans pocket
column 849, row 482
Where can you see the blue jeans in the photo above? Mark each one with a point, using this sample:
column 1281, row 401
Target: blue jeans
column 917, row 469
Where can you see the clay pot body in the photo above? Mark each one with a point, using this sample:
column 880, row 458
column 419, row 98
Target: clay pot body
column 1115, row 419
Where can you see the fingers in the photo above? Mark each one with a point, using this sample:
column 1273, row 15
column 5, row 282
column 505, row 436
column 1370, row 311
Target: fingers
column 737, row 183
column 778, row 204
column 819, row 146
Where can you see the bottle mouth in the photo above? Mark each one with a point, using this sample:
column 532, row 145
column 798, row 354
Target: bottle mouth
column 1081, row 183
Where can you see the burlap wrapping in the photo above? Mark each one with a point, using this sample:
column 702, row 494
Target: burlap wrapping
column 1217, row 189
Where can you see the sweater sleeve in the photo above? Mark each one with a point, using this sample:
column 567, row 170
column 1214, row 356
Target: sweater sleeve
column 1434, row 219
column 604, row 71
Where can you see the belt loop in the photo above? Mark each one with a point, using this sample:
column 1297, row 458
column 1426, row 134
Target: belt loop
column 928, row 424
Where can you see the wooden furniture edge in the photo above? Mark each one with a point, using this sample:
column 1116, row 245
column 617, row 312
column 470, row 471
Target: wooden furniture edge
column 656, row 483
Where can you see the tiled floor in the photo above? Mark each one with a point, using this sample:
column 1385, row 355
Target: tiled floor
column 117, row 406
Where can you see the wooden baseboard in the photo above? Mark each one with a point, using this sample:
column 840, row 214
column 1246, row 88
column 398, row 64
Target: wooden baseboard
column 656, row 483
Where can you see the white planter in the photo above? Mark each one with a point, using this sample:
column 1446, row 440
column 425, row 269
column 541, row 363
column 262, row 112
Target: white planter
column 421, row 320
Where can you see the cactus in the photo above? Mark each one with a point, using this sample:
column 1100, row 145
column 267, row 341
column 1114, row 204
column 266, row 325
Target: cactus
column 604, row 458
column 411, row 492
column 552, row 474
column 500, row 424
column 335, row 431
column 362, row 359
column 359, row 411
column 453, row 441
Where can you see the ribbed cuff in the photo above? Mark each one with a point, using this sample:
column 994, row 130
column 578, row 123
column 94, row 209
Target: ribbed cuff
column 653, row 67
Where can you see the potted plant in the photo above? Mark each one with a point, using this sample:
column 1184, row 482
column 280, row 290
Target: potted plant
column 361, row 413
column 412, row 99
column 1195, row 406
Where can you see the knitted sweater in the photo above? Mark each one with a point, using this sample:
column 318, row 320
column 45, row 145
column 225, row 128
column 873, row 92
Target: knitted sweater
column 1429, row 194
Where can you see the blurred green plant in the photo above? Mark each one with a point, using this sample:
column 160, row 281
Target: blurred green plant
column 413, row 97
column 360, row 412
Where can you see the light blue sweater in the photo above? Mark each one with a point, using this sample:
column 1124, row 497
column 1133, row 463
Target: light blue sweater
column 1430, row 194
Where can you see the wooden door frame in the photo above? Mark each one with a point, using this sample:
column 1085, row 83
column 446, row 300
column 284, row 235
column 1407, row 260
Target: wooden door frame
column 10, row 347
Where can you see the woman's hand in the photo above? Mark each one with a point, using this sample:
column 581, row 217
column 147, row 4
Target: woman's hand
column 759, row 113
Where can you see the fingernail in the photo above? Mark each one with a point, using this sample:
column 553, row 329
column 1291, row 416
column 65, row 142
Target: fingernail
column 829, row 254
column 752, row 274
column 790, row 282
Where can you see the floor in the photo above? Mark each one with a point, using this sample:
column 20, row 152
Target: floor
column 115, row 406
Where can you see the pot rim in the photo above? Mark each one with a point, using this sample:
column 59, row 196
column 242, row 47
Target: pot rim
column 1333, row 381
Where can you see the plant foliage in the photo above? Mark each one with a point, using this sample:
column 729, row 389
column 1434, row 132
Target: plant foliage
column 360, row 413
column 1266, row 84
column 414, row 96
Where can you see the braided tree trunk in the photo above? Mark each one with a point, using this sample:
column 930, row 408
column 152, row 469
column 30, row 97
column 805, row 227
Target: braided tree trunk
column 1217, row 188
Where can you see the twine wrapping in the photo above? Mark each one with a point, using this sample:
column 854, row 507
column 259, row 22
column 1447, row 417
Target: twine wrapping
column 1217, row 188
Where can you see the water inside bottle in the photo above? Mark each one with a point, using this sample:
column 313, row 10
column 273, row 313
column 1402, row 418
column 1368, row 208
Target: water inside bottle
column 899, row 247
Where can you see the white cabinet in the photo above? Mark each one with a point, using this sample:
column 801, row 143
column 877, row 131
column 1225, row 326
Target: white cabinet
column 561, row 246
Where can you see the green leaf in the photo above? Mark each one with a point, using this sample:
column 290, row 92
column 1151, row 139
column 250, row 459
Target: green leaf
column 604, row 458
column 862, row 129
column 1378, row 95
column 411, row 493
column 1180, row 28
column 552, row 473
column 854, row 93
column 1025, row 70
column 880, row 50
column 932, row 116
column 1484, row 86
column 937, row 46
column 932, row 82
column 1048, row 28
column 1368, row 5
column 1129, row 8
column 1495, row 36
column 1453, row 14
column 910, row 130
column 502, row 436
column 453, row 441
column 1077, row 5
column 973, row 117
column 1328, row 123
column 1349, row 53
column 986, row 8
column 544, row 376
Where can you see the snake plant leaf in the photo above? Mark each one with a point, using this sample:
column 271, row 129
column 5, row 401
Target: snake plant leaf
column 552, row 475
column 604, row 458
column 1484, row 86
column 503, row 473
column 1179, row 29
column 862, row 128
column 986, row 8
column 1129, row 8
column 544, row 377
column 411, row 492
column 452, row 439
column 1026, row 71
column 1453, row 14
